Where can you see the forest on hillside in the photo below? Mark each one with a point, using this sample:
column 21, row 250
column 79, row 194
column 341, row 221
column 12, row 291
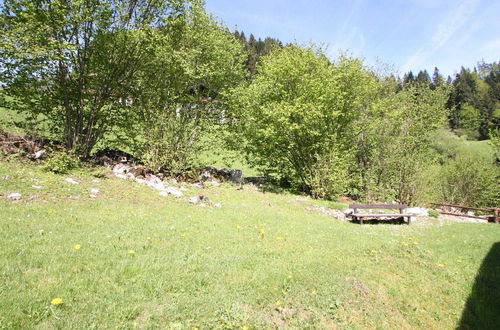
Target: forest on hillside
column 165, row 81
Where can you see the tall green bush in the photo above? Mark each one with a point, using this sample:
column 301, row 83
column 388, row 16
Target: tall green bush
column 297, row 109
column 395, row 146
column 192, row 60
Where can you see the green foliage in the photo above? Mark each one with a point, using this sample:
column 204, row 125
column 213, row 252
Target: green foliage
column 61, row 162
column 297, row 108
column 329, row 176
column 76, row 62
column 467, row 180
column 394, row 146
column 495, row 143
column 434, row 214
column 191, row 62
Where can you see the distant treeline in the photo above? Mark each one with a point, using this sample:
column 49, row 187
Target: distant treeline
column 474, row 96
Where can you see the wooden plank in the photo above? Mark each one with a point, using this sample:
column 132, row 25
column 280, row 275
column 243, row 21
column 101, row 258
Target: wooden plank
column 466, row 207
column 378, row 215
column 378, row 206
column 484, row 217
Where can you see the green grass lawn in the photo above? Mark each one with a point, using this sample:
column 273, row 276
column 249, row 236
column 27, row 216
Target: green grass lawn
column 263, row 260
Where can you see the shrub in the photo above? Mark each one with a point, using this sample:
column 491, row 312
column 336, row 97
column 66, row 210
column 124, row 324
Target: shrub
column 434, row 214
column 62, row 162
column 329, row 177
column 297, row 107
column 469, row 181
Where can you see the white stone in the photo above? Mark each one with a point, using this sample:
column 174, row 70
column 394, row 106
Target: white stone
column 156, row 185
column 174, row 192
column 72, row 181
column 141, row 181
column 163, row 193
column 121, row 176
column 14, row 197
column 40, row 153
column 194, row 200
column 417, row 211
column 95, row 181
column 121, row 168
column 94, row 191
column 36, row 187
column 218, row 205
column 214, row 183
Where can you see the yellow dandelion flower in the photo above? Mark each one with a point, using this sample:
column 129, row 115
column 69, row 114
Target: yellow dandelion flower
column 314, row 292
column 279, row 238
column 148, row 238
column 245, row 327
column 409, row 238
column 405, row 244
column 131, row 252
column 415, row 243
column 56, row 301
column 440, row 265
column 278, row 303
column 77, row 247
column 289, row 276
column 238, row 227
column 183, row 235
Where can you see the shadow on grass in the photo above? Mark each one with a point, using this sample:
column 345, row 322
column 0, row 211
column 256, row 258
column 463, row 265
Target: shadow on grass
column 482, row 310
column 394, row 221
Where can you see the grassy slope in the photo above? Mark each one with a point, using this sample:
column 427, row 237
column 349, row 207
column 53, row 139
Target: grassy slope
column 208, row 267
column 8, row 120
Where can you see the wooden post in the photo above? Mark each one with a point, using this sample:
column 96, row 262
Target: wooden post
column 497, row 215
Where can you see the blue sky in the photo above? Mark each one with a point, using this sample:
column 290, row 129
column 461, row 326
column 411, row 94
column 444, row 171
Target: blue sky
column 404, row 34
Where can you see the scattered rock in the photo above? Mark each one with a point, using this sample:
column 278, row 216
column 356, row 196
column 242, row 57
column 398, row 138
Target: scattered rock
column 6, row 177
column 95, row 181
column 163, row 193
column 327, row 211
column 197, row 185
column 39, row 154
column 94, row 192
column 224, row 174
column 72, row 181
column 214, row 183
column 14, row 197
column 174, row 192
column 137, row 171
column 417, row 211
column 36, row 187
column 121, row 169
column 194, row 200
column 121, row 176
column 218, row 205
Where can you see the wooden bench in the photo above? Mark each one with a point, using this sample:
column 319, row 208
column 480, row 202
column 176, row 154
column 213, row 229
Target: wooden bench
column 358, row 215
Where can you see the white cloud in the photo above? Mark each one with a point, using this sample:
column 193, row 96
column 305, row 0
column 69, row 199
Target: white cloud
column 445, row 32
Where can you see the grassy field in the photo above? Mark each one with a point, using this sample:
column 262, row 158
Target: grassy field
column 133, row 259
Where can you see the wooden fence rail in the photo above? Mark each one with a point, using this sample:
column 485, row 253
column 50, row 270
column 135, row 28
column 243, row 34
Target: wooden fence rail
column 490, row 217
